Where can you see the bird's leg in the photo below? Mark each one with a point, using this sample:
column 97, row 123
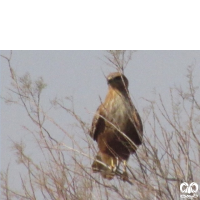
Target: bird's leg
column 112, row 163
column 113, row 168
column 110, row 172
column 125, row 164
column 124, row 176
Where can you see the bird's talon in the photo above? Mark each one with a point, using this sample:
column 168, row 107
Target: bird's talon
column 114, row 169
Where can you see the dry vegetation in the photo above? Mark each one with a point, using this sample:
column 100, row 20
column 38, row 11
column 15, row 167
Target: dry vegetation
column 170, row 153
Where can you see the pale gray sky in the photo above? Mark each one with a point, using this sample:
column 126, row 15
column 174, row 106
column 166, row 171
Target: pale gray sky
column 80, row 74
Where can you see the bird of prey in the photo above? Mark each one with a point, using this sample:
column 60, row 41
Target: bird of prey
column 116, row 127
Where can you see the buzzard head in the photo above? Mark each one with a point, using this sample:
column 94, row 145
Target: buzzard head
column 117, row 80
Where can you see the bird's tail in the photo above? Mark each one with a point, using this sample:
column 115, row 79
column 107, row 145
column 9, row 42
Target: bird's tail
column 97, row 165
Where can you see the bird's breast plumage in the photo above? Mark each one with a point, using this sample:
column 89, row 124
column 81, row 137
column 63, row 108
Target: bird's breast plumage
column 117, row 109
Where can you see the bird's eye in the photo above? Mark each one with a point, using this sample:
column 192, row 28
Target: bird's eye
column 118, row 78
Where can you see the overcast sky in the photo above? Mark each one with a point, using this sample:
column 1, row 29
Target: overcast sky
column 81, row 74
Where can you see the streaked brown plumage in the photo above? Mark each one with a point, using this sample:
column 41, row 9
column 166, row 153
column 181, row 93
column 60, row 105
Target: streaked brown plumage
column 116, row 127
